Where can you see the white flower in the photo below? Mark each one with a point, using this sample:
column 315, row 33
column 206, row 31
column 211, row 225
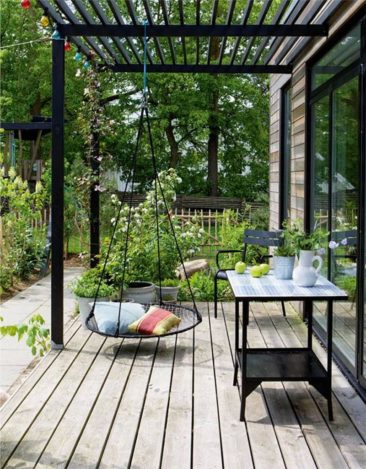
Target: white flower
column 113, row 221
column 99, row 188
column 201, row 230
column 179, row 180
column 344, row 242
column 333, row 245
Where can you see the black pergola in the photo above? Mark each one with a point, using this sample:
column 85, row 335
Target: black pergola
column 239, row 40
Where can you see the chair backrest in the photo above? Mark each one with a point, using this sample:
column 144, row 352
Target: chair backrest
column 350, row 235
column 263, row 238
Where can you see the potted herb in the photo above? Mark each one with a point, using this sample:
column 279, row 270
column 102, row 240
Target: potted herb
column 306, row 244
column 85, row 288
column 169, row 290
column 284, row 261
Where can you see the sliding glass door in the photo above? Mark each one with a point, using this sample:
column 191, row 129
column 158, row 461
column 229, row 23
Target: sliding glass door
column 338, row 195
column 344, row 212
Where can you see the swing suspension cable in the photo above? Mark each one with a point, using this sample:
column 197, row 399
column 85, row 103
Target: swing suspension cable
column 157, row 188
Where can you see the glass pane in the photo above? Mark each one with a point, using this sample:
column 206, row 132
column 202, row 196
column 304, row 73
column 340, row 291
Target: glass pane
column 345, row 199
column 345, row 52
column 320, row 158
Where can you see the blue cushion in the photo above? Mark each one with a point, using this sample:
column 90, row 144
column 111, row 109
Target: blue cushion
column 106, row 316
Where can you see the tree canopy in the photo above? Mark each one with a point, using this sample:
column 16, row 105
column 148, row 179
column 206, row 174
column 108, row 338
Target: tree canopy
column 212, row 128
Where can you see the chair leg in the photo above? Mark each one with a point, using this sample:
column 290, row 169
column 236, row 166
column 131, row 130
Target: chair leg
column 215, row 297
column 283, row 308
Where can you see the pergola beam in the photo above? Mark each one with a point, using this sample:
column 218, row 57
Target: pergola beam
column 189, row 30
column 180, row 68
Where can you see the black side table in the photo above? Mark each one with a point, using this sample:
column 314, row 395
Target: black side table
column 281, row 364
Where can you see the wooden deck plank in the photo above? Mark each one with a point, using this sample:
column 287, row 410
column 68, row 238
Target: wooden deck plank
column 206, row 433
column 178, row 436
column 346, row 394
column 321, row 442
column 89, row 448
column 291, row 440
column 48, row 418
column 15, row 428
column 346, row 435
column 110, row 410
column 18, row 397
column 265, row 449
column 63, row 440
column 148, row 451
column 120, row 443
column 235, row 442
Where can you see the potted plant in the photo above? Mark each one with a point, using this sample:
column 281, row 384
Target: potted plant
column 306, row 244
column 284, row 261
column 169, row 290
column 85, row 288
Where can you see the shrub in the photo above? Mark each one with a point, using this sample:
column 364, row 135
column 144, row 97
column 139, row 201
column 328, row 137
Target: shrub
column 231, row 237
column 142, row 259
column 22, row 242
column 86, row 286
column 202, row 285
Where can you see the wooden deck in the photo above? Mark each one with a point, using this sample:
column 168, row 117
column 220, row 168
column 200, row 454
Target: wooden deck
column 110, row 403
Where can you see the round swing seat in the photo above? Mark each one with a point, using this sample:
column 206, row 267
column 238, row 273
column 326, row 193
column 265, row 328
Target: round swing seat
column 189, row 317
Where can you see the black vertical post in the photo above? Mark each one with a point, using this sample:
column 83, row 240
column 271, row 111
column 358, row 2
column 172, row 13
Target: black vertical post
column 57, row 207
column 94, row 203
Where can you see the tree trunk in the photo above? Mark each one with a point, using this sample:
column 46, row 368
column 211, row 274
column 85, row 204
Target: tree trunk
column 213, row 144
column 174, row 151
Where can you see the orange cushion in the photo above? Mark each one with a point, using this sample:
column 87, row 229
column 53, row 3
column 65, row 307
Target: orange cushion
column 156, row 321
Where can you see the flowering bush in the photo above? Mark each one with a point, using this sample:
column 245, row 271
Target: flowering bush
column 22, row 243
column 142, row 257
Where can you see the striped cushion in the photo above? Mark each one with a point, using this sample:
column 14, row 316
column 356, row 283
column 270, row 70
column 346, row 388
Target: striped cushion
column 157, row 321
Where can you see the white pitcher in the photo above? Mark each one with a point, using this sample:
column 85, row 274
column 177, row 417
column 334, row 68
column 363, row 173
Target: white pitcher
column 305, row 275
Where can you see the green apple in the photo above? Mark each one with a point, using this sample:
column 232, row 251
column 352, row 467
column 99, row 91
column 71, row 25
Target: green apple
column 240, row 267
column 256, row 271
column 265, row 268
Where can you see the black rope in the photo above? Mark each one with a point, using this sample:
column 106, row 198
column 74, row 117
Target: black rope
column 157, row 179
column 122, row 201
column 134, row 160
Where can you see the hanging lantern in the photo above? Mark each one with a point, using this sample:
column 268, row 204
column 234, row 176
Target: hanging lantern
column 67, row 46
column 44, row 21
column 56, row 35
column 77, row 56
column 25, row 4
column 78, row 73
column 86, row 64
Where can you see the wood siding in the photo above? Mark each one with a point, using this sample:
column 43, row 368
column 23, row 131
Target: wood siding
column 298, row 108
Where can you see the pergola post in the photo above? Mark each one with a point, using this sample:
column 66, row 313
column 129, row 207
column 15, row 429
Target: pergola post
column 57, row 206
column 94, row 203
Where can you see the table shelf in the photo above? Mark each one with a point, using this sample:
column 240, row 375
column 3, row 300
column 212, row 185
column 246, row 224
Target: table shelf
column 291, row 364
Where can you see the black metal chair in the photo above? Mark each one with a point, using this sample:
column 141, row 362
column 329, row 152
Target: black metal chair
column 251, row 237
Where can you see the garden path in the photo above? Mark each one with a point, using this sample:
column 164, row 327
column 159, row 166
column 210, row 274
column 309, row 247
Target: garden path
column 16, row 356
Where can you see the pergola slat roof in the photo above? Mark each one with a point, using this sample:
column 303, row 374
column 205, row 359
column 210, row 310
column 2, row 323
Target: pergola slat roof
column 260, row 36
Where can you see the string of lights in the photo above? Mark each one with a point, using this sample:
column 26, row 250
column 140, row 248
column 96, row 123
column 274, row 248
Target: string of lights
column 45, row 23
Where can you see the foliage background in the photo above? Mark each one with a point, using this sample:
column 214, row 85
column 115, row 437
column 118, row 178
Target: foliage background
column 182, row 118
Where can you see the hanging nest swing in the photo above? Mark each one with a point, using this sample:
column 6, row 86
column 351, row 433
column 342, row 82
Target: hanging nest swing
column 131, row 320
